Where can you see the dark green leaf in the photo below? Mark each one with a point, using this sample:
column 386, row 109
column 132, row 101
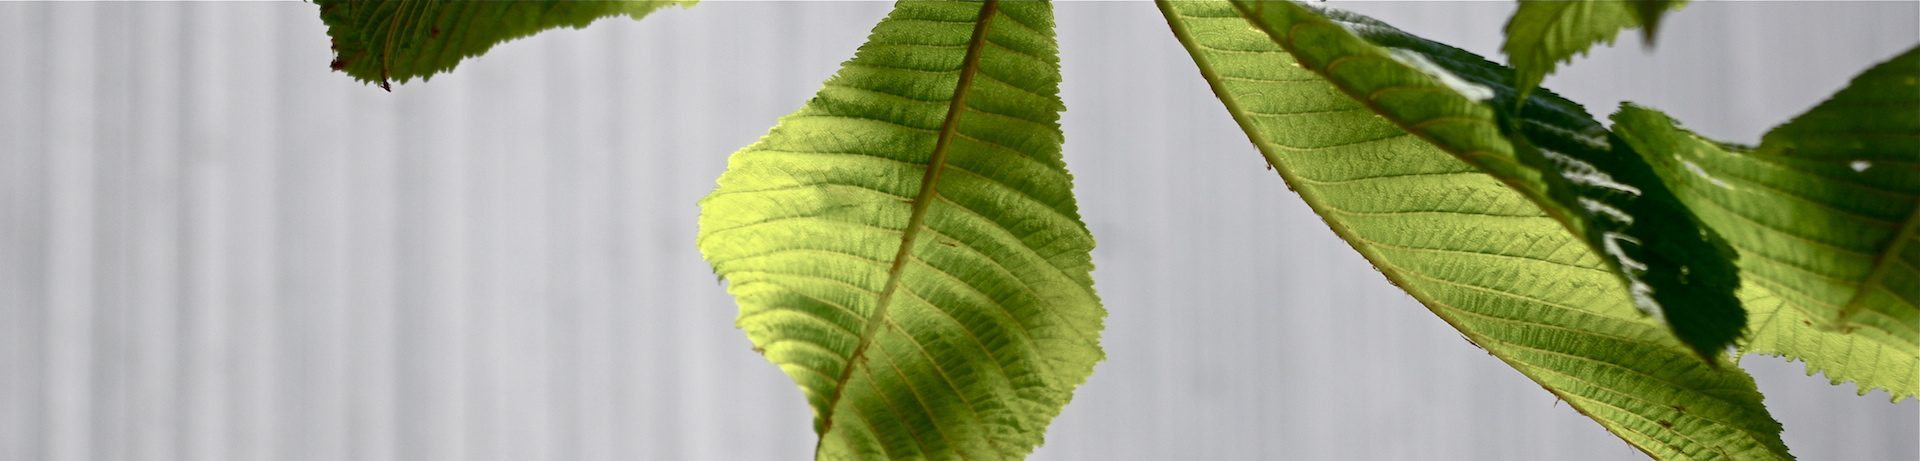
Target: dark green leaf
column 1824, row 215
column 1651, row 12
column 380, row 41
column 906, row 247
column 1550, row 150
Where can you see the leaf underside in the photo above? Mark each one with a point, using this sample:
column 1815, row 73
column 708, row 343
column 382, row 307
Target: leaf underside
column 1480, row 255
column 1823, row 213
column 1550, row 150
column 387, row 40
column 916, row 264
column 1544, row 33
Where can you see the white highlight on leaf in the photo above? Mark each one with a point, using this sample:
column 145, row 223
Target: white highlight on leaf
column 1702, row 173
column 1595, row 206
column 1363, row 30
column 1641, row 292
column 1860, row 165
column 1594, row 136
column 1585, row 173
column 1474, row 91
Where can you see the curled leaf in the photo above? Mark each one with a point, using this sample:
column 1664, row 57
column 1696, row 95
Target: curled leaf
column 1544, row 33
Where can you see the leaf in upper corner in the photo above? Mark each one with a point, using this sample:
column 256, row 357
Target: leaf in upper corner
column 1651, row 12
column 1551, row 151
column 921, row 273
column 1544, row 33
column 1482, row 256
column 1824, row 215
column 380, row 41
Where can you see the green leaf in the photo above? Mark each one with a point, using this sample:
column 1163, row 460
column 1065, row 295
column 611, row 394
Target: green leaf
column 379, row 41
column 907, row 248
column 1480, row 255
column 1551, row 151
column 1544, row 33
column 1824, row 215
column 1651, row 12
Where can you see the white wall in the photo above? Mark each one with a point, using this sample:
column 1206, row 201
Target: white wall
column 212, row 248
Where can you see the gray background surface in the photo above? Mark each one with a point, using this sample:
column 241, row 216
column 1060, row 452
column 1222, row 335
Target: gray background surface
column 212, row 248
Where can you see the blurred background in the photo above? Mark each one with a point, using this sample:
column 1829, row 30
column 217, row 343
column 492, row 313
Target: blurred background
column 213, row 248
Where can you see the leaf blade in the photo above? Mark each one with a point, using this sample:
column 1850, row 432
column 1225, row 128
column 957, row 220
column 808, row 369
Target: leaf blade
column 1544, row 33
column 1825, row 211
column 1550, row 150
column 1481, row 256
column 901, row 175
column 379, row 41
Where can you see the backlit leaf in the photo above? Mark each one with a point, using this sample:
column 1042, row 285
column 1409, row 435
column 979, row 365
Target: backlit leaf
column 1544, row 33
column 1824, row 215
column 907, row 248
column 1482, row 256
column 1550, row 150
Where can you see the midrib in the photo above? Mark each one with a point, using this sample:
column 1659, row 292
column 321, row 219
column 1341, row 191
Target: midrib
column 936, row 163
column 1882, row 263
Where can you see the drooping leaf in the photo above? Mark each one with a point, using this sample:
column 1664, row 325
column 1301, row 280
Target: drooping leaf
column 1651, row 12
column 1551, row 151
column 384, row 40
column 1480, row 255
column 907, row 248
column 1824, row 215
column 1544, row 33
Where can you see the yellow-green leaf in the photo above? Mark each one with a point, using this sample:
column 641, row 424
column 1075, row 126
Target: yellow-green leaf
column 906, row 247
column 1482, row 256
column 1824, row 215
column 1549, row 150
column 1544, row 33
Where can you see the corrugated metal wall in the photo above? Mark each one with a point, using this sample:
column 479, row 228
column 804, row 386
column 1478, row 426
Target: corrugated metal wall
column 212, row 248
